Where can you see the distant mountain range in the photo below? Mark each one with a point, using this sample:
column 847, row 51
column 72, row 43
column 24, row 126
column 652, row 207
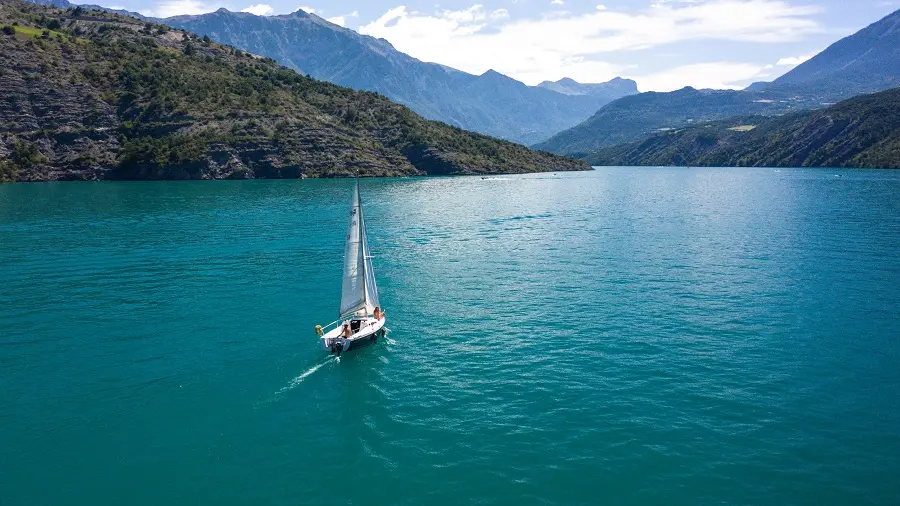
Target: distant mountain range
column 860, row 132
column 618, row 87
column 637, row 116
column 865, row 62
column 491, row 103
column 91, row 95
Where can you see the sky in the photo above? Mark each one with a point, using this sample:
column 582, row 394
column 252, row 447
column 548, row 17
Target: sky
column 662, row 44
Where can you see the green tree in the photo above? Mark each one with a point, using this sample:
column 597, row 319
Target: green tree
column 8, row 171
column 25, row 154
column 9, row 30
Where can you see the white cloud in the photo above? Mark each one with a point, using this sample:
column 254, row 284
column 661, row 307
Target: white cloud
column 342, row 20
column 718, row 75
column 793, row 60
column 557, row 2
column 309, row 10
column 169, row 8
column 259, row 9
column 572, row 45
column 498, row 14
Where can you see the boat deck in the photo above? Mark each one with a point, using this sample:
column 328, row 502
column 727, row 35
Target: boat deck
column 367, row 327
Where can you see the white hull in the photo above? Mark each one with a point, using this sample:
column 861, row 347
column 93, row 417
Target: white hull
column 369, row 331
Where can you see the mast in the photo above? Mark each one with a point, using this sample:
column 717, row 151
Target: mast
column 352, row 286
column 358, row 288
column 362, row 243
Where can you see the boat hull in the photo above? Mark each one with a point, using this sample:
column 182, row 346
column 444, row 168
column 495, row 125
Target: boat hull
column 370, row 332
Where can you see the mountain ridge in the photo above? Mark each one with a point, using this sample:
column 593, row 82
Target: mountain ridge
column 66, row 4
column 93, row 95
column 867, row 61
column 496, row 105
column 863, row 132
column 636, row 116
column 500, row 107
column 569, row 86
column 844, row 67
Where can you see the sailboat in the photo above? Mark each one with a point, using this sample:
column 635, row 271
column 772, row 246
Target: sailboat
column 361, row 319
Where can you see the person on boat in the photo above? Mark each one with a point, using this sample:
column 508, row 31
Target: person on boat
column 346, row 333
column 378, row 313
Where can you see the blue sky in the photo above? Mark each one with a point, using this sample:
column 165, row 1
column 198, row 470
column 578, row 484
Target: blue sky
column 662, row 44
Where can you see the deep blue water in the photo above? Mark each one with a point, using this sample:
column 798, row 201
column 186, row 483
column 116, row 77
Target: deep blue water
column 627, row 336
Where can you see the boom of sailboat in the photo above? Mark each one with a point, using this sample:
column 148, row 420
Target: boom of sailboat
column 361, row 319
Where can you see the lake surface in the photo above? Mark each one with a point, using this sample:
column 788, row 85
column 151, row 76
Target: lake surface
column 627, row 336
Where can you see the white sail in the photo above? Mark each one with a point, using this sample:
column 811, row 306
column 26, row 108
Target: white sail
column 371, row 287
column 358, row 291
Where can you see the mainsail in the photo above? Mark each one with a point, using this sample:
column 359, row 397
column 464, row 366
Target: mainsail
column 358, row 291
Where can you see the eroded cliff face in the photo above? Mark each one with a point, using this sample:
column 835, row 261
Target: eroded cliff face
column 91, row 95
column 48, row 104
column 43, row 105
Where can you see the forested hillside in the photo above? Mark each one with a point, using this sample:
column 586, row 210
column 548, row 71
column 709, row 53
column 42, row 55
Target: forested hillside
column 860, row 132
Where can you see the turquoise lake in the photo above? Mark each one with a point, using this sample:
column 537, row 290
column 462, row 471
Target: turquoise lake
column 624, row 336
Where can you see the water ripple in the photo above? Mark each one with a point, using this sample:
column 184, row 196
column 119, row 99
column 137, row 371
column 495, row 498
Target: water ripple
column 703, row 336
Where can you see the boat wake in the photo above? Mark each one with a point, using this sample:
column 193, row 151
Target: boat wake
column 387, row 336
column 299, row 379
column 294, row 383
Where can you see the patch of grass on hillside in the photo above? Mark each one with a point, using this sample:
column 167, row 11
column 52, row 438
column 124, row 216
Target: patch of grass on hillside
column 742, row 128
column 30, row 31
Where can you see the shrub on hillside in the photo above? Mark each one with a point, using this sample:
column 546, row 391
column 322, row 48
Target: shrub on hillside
column 8, row 171
column 25, row 154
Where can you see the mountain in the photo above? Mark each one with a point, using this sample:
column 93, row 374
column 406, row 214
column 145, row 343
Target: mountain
column 865, row 62
column 491, row 103
column 859, row 132
column 66, row 4
column 614, row 89
column 637, row 116
column 101, row 96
